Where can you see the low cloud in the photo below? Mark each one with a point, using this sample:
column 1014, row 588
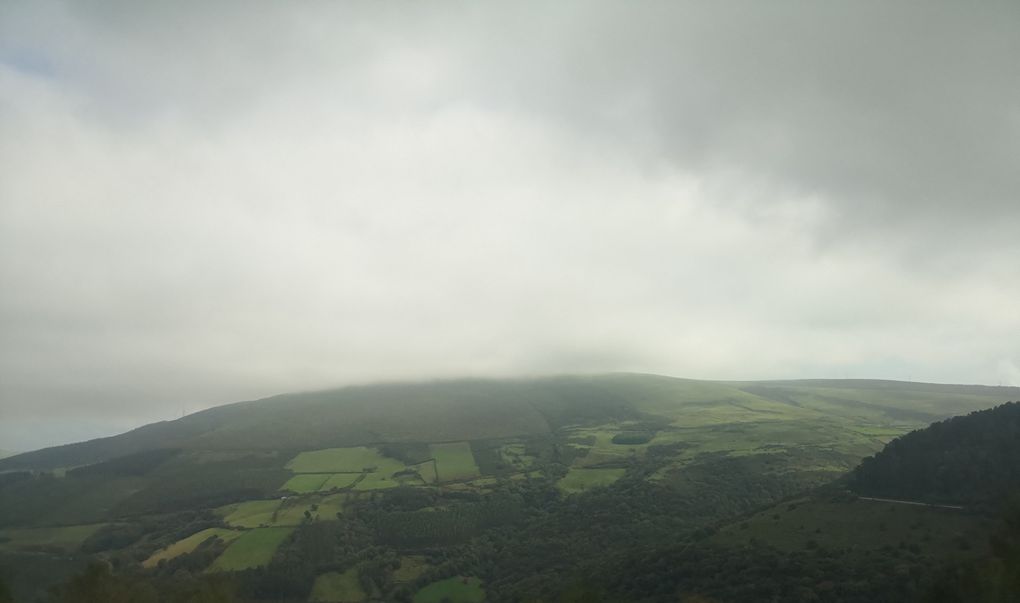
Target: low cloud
column 334, row 194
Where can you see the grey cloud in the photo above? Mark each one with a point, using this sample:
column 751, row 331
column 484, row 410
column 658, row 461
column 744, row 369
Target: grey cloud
column 217, row 201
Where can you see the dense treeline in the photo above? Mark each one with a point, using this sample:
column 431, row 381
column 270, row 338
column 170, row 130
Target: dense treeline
column 972, row 459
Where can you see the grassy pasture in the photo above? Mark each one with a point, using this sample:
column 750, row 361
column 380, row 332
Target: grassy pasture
column 254, row 548
column 327, row 506
column 335, row 587
column 304, row 483
column 357, row 459
column 456, row 590
column 860, row 524
column 67, row 538
column 250, row 514
column 579, row 480
column 338, row 480
column 454, row 461
column 601, row 449
column 189, row 544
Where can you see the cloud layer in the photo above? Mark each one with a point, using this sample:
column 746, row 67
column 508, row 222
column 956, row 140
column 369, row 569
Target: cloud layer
column 213, row 202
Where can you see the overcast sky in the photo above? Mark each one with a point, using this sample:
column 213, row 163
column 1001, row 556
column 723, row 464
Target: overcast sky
column 204, row 202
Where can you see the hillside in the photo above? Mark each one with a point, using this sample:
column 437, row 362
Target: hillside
column 972, row 459
column 898, row 516
column 481, row 409
column 504, row 489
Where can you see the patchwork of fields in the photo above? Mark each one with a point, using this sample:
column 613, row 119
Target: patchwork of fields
column 469, row 472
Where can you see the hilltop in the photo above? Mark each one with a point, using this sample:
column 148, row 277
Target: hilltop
column 480, row 409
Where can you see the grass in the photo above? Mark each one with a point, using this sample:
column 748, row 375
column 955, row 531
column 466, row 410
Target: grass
column 189, row 544
column 330, row 506
column 68, row 538
column 338, row 480
column 250, row 514
column 306, row 483
column 357, row 459
column 579, row 480
column 515, row 456
column 335, row 587
column 252, row 549
column 411, row 568
column 455, row 590
column 807, row 523
column 454, row 461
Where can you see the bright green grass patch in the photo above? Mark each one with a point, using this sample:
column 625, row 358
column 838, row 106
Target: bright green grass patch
column 357, row 459
column 305, row 483
column 579, row 480
column 338, row 588
column 339, row 480
column 250, row 514
column 454, row 461
column 411, row 568
column 189, row 544
column 456, row 590
column 68, row 538
column 252, row 549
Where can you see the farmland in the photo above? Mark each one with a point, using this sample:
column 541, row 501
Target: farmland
column 189, row 544
column 357, row 459
column 579, row 480
column 305, row 483
column 656, row 460
column 454, row 461
column 251, row 514
column 338, row 481
column 252, row 549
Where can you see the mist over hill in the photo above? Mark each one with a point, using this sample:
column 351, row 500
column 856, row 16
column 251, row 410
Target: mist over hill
column 479, row 409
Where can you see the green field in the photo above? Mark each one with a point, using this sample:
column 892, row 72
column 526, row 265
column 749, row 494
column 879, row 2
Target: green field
column 329, row 506
column 335, row 587
column 252, row 549
column 305, row 483
column 67, row 538
column 189, row 544
column 357, row 459
column 454, row 461
column 339, row 480
column 454, row 590
column 579, row 480
column 250, row 514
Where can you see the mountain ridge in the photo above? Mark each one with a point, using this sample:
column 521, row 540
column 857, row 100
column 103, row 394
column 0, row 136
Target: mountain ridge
column 481, row 408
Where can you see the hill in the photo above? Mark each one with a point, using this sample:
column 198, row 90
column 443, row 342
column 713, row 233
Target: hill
column 941, row 497
column 964, row 460
column 482, row 409
column 503, row 489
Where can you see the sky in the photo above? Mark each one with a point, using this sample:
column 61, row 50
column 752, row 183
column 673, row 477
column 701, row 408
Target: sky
column 206, row 202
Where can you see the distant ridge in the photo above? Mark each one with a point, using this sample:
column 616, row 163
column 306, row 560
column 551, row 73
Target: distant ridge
column 475, row 409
